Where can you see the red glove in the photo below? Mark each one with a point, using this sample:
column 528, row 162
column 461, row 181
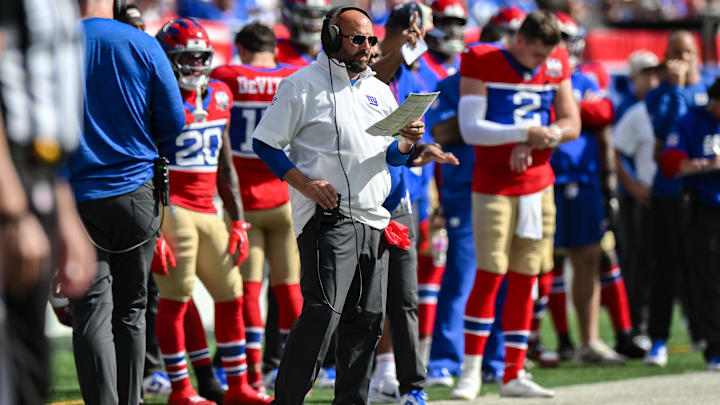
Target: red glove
column 161, row 257
column 397, row 235
column 239, row 241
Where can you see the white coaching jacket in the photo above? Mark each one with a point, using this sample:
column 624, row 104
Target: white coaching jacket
column 302, row 116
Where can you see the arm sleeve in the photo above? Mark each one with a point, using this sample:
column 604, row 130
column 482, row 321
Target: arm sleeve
column 665, row 104
column 394, row 157
column 476, row 130
column 282, row 120
column 275, row 159
column 166, row 105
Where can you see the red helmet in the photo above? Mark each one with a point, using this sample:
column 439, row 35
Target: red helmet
column 449, row 8
column 304, row 19
column 568, row 26
column 187, row 45
column 573, row 34
column 509, row 18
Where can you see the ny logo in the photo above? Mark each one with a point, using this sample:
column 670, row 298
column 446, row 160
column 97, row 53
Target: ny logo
column 373, row 101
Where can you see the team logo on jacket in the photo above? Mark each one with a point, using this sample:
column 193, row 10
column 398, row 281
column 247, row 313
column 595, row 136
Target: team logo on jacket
column 222, row 100
column 372, row 100
column 554, row 67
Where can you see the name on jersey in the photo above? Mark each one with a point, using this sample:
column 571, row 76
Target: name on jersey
column 554, row 67
column 258, row 85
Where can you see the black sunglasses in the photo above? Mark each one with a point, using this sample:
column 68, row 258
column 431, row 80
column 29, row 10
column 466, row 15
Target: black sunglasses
column 358, row 40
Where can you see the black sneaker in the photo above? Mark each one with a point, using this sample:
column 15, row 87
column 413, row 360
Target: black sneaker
column 628, row 346
column 566, row 348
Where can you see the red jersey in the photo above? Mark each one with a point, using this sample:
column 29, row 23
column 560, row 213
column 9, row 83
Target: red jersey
column 516, row 96
column 253, row 89
column 194, row 153
column 290, row 54
column 597, row 72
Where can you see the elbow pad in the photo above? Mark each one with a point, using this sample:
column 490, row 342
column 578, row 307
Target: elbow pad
column 476, row 130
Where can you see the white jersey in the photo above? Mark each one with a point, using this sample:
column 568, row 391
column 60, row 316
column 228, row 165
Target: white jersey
column 303, row 116
column 634, row 137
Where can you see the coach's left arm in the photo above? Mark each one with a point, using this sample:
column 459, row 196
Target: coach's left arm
column 567, row 112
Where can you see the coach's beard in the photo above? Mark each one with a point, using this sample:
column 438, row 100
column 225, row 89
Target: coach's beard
column 359, row 62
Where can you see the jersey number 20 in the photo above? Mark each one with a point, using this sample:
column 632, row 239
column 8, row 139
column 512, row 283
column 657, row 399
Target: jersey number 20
column 202, row 148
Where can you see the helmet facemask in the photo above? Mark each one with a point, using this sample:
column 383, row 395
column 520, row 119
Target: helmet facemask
column 452, row 42
column 192, row 67
column 305, row 24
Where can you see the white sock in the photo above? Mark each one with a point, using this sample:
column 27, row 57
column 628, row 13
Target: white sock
column 385, row 365
column 424, row 349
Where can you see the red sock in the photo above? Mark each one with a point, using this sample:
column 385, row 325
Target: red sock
column 289, row 300
column 254, row 330
column 230, row 335
column 195, row 339
column 516, row 318
column 429, row 280
column 171, row 339
column 544, row 282
column 480, row 311
column 613, row 297
column 558, row 299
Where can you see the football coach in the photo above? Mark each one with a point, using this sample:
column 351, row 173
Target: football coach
column 339, row 179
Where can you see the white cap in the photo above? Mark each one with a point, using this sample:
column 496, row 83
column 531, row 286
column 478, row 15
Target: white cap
column 641, row 60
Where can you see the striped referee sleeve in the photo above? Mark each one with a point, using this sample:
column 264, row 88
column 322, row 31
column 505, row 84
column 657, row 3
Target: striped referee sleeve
column 41, row 71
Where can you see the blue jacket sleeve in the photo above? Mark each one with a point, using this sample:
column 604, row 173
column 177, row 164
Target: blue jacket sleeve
column 167, row 116
column 394, row 157
column 665, row 105
column 274, row 159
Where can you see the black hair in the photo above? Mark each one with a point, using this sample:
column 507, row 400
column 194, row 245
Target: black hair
column 256, row 37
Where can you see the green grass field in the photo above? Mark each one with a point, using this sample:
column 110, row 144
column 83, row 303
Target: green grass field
column 65, row 388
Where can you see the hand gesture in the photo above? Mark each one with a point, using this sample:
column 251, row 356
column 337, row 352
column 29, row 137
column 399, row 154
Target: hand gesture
column 412, row 33
column 434, row 154
column 520, row 158
column 239, row 241
column 162, row 256
column 677, row 70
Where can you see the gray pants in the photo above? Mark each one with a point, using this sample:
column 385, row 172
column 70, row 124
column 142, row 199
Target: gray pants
column 109, row 321
column 402, row 309
column 343, row 288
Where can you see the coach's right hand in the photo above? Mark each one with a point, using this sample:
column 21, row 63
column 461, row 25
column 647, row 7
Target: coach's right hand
column 540, row 137
column 321, row 192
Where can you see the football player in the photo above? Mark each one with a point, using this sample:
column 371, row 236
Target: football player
column 506, row 94
column 265, row 198
column 200, row 165
column 304, row 19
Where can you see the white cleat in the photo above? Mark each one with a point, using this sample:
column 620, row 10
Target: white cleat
column 469, row 383
column 385, row 390
column 524, row 387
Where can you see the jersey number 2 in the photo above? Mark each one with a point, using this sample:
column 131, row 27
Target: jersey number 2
column 520, row 114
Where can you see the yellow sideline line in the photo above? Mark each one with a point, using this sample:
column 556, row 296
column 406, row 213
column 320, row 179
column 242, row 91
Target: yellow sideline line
column 73, row 402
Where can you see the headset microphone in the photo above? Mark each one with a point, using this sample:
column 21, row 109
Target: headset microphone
column 356, row 67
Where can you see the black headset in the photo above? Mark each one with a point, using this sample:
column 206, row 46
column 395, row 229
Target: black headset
column 330, row 36
column 119, row 7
